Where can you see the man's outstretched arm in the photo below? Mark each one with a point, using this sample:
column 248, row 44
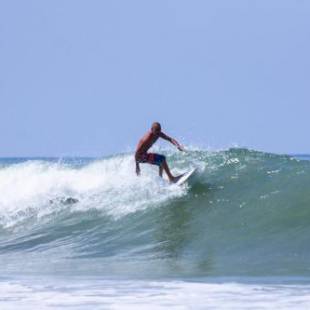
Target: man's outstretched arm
column 171, row 140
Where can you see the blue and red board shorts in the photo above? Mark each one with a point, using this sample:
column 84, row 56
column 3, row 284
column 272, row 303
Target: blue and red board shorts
column 151, row 158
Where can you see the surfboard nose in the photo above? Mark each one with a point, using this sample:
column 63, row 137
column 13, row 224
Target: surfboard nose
column 185, row 176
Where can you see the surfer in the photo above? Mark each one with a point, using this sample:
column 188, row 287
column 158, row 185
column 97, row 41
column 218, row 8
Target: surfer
column 142, row 156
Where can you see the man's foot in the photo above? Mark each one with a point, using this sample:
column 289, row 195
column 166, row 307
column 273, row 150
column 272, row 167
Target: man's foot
column 176, row 179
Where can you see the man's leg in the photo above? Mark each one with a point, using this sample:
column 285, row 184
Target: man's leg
column 166, row 168
column 160, row 160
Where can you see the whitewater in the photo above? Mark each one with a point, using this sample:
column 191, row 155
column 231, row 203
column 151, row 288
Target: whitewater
column 85, row 233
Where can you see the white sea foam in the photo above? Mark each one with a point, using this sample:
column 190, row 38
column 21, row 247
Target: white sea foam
column 108, row 294
column 110, row 185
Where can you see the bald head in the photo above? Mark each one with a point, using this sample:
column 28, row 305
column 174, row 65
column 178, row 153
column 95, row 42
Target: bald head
column 156, row 128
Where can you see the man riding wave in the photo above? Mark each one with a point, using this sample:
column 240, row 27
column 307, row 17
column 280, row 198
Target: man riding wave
column 142, row 155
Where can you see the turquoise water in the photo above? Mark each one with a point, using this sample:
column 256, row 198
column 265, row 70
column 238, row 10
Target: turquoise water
column 242, row 223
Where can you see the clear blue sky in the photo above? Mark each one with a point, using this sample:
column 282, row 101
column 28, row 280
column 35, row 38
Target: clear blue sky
column 89, row 77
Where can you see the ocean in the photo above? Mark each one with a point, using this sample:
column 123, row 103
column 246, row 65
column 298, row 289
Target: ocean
column 87, row 233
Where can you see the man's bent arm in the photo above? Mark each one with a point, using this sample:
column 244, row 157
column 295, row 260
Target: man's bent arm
column 137, row 168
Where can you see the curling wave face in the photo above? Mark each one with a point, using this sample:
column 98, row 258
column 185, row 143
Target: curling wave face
column 243, row 213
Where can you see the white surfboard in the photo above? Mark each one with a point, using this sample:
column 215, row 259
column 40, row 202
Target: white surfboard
column 185, row 177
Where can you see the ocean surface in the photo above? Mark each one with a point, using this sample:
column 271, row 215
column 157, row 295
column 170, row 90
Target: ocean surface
column 85, row 233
